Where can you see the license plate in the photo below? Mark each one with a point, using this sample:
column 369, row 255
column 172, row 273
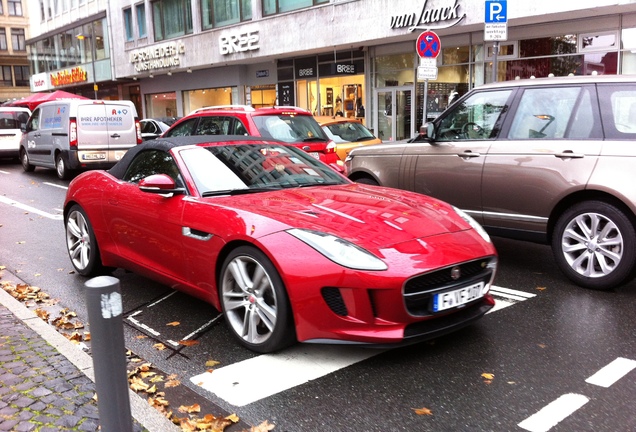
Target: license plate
column 458, row 297
column 94, row 156
column 315, row 155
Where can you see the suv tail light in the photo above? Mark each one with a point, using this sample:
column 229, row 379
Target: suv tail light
column 331, row 147
column 72, row 132
column 138, row 131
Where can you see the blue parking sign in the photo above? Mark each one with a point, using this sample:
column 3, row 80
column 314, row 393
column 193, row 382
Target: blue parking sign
column 496, row 12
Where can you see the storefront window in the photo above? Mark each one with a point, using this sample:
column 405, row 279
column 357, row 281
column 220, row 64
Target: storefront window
column 628, row 43
column 394, row 70
column 271, row 7
column 161, row 105
column 199, row 98
column 548, row 46
column 263, row 95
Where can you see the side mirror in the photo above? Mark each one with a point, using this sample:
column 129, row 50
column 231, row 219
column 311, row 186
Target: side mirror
column 160, row 184
column 427, row 130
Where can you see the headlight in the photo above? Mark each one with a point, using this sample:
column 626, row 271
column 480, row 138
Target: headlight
column 339, row 250
column 473, row 223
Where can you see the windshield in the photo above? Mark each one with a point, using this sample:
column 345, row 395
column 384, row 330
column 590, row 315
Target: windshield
column 13, row 119
column 226, row 169
column 289, row 128
column 348, row 132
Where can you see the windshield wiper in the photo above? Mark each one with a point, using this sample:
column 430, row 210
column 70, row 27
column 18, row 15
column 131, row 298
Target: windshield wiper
column 313, row 139
column 366, row 138
column 238, row 191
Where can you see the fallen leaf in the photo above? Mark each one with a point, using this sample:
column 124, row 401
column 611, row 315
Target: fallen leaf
column 173, row 323
column 142, row 337
column 194, row 408
column 159, row 346
column 488, row 376
column 172, row 383
column 542, row 345
column 422, row 411
column 211, row 363
column 188, row 342
column 541, row 288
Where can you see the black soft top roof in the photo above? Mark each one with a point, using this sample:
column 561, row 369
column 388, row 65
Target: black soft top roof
column 166, row 144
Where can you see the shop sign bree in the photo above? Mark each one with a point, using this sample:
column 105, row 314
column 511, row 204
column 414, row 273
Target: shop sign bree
column 440, row 17
column 237, row 43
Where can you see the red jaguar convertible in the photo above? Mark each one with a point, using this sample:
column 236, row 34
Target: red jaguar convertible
column 287, row 248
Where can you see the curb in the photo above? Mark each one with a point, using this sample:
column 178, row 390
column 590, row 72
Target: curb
column 141, row 411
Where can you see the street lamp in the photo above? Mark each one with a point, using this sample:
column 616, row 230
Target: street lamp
column 93, row 53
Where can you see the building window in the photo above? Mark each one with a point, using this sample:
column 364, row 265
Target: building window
column 3, row 39
column 5, row 79
column 128, row 24
column 18, row 41
column 226, row 12
column 21, row 76
column 1, row 9
column 141, row 19
column 271, row 7
column 171, row 18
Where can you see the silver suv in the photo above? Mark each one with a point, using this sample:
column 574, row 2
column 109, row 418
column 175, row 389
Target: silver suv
column 549, row 160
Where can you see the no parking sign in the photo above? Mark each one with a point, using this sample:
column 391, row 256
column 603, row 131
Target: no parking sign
column 428, row 45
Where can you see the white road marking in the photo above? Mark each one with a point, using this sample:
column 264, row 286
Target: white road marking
column 612, row 372
column 550, row 415
column 262, row 376
column 56, row 185
column 4, row 172
column 28, row 208
column 505, row 297
column 241, row 383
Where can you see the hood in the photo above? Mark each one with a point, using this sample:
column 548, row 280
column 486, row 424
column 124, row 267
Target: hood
column 370, row 216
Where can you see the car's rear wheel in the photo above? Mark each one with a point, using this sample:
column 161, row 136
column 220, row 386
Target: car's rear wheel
column 81, row 244
column 367, row 181
column 255, row 302
column 594, row 245
column 60, row 167
column 24, row 160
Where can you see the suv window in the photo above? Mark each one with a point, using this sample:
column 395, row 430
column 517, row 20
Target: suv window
column 554, row 113
column 618, row 108
column 288, row 128
column 185, row 128
column 477, row 117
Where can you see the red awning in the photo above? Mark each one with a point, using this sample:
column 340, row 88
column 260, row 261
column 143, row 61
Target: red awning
column 36, row 99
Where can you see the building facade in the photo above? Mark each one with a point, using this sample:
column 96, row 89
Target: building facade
column 14, row 66
column 357, row 58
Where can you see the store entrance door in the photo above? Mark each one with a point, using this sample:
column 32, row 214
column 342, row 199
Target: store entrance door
column 394, row 114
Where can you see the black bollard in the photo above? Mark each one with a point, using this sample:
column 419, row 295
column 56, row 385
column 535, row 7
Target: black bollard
column 103, row 300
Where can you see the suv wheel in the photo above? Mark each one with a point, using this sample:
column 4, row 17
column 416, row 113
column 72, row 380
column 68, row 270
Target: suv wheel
column 594, row 245
column 24, row 160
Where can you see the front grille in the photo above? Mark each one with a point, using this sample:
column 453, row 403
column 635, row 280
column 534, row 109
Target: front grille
column 418, row 291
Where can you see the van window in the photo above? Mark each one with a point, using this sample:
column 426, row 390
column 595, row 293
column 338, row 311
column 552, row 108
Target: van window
column 477, row 117
column 34, row 122
column 618, row 108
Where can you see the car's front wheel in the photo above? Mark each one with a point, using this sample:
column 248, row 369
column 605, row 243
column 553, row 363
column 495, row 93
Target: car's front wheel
column 81, row 243
column 255, row 301
column 594, row 245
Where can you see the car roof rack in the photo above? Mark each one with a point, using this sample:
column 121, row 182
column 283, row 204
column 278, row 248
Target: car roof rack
column 226, row 107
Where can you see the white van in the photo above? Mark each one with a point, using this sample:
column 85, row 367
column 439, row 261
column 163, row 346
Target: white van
column 79, row 134
column 12, row 120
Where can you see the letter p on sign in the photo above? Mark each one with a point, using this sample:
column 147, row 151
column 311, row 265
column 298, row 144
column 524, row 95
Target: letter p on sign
column 496, row 12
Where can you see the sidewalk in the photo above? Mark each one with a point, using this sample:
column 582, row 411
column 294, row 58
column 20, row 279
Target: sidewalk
column 47, row 383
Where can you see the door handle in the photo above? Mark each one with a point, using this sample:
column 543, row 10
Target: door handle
column 468, row 154
column 115, row 135
column 569, row 154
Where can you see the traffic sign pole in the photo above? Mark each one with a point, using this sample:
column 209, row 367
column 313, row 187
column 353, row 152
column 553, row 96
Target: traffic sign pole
column 496, row 28
column 428, row 47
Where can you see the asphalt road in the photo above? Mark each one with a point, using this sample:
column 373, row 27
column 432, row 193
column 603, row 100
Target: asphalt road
column 552, row 356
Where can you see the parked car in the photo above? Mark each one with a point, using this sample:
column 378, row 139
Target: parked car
column 152, row 128
column 292, row 125
column 12, row 119
column 285, row 246
column 547, row 160
column 78, row 134
column 348, row 133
